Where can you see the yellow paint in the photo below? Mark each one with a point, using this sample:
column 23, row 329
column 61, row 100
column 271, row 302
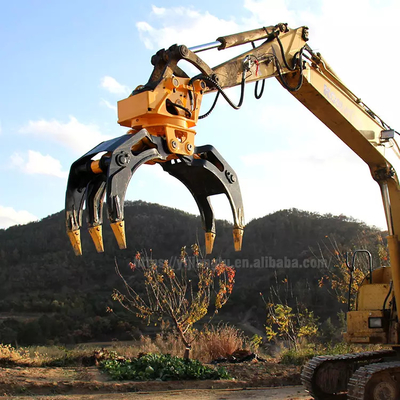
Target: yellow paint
column 237, row 238
column 372, row 296
column 358, row 331
column 95, row 167
column 118, row 229
column 393, row 245
column 149, row 110
column 381, row 275
column 96, row 234
column 210, row 237
column 75, row 238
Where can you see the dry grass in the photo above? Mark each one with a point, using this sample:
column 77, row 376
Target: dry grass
column 22, row 356
column 220, row 341
column 212, row 343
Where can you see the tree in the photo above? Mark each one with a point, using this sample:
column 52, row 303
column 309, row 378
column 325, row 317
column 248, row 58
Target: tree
column 343, row 278
column 284, row 323
column 180, row 293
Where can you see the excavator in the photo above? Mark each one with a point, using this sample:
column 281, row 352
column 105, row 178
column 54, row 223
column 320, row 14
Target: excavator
column 161, row 116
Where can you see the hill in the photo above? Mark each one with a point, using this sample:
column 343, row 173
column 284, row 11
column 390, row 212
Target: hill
column 48, row 294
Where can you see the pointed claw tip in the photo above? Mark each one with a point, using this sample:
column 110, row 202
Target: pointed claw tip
column 118, row 229
column 237, row 238
column 210, row 237
column 75, row 239
column 96, row 234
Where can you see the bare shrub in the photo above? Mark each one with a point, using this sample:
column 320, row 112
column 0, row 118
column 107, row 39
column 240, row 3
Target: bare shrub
column 220, row 341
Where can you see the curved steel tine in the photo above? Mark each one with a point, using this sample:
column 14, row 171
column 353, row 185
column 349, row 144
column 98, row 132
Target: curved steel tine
column 222, row 171
column 123, row 164
column 205, row 175
column 83, row 181
column 80, row 176
column 78, row 179
column 95, row 192
column 207, row 218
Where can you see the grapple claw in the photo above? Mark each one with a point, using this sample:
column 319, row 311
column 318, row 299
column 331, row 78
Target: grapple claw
column 209, row 239
column 237, row 238
column 96, row 233
column 118, row 229
column 75, row 238
column 94, row 207
column 89, row 180
column 205, row 174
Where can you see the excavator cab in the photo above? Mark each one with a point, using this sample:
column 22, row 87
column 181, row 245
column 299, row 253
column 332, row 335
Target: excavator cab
column 370, row 320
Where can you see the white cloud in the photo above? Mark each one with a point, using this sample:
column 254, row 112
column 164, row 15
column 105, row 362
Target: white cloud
column 106, row 103
column 158, row 10
column 267, row 13
column 179, row 24
column 17, row 160
column 37, row 163
column 320, row 174
column 291, row 180
column 10, row 217
column 113, row 86
column 73, row 134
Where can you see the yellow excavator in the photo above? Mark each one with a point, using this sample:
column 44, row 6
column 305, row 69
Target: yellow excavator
column 161, row 116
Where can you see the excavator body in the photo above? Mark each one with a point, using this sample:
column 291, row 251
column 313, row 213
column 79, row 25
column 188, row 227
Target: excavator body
column 161, row 117
column 371, row 322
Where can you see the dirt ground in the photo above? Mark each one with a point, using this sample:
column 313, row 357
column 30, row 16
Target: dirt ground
column 84, row 383
column 282, row 393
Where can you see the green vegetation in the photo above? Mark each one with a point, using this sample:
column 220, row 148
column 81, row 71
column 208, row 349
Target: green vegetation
column 161, row 366
column 49, row 296
column 303, row 354
column 214, row 342
column 181, row 295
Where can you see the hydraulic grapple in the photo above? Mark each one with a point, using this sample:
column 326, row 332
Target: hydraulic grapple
column 161, row 116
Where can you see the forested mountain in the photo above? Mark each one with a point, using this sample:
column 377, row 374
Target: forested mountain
column 47, row 294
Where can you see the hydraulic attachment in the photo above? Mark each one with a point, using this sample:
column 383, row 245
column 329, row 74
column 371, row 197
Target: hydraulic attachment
column 160, row 116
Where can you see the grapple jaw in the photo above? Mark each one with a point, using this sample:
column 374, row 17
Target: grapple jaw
column 205, row 174
column 89, row 181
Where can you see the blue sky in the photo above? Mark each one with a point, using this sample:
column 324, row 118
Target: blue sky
column 64, row 65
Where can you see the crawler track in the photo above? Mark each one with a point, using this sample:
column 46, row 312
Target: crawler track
column 381, row 377
column 327, row 377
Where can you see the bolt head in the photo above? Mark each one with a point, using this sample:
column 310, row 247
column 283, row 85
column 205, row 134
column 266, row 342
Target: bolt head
column 183, row 50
